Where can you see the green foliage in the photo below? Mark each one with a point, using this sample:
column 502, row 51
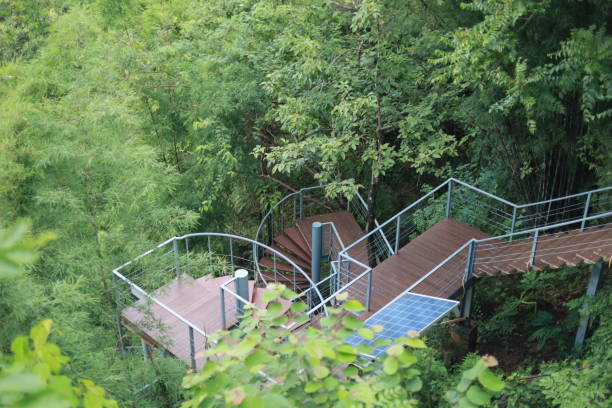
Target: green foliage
column 31, row 376
column 16, row 250
column 263, row 363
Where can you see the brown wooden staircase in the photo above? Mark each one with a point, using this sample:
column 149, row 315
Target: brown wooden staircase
column 295, row 243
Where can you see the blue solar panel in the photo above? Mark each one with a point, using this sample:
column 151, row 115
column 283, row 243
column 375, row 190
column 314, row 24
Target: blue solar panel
column 410, row 311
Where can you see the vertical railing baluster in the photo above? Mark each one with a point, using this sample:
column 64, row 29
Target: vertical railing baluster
column 231, row 247
column 187, row 256
column 513, row 222
column 586, row 211
column 192, row 349
column 222, row 299
column 176, row 258
column 118, row 315
column 534, row 247
column 449, row 198
column 301, row 204
column 369, row 292
column 397, row 232
column 209, row 252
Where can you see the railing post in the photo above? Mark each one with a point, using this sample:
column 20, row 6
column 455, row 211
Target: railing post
column 586, row 211
column 192, row 349
column 534, row 247
column 466, row 303
column 187, row 255
column 301, row 204
column 397, row 233
column 584, row 316
column 513, row 222
column 242, row 289
column 222, row 298
column 317, row 243
column 448, row 198
column 369, row 292
column 118, row 315
column 176, row 258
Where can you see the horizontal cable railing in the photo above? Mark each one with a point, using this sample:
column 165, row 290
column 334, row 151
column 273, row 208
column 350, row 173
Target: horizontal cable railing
column 144, row 288
column 530, row 225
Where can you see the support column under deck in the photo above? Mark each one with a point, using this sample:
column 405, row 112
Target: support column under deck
column 584, row 315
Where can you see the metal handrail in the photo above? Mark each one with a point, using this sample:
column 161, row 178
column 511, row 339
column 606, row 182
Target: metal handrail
column 166, row 308
column 200, row 234
column 282, row 200
column 599, row 190
column 545, row 227
column 396, row 215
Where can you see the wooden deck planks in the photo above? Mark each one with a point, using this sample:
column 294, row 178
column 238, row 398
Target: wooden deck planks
column 197, row 301
column 395, row 274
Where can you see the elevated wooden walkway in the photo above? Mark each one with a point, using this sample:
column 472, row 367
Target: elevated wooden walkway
column 413, row 261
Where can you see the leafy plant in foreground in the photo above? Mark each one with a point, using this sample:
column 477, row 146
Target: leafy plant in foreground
column 264, row 363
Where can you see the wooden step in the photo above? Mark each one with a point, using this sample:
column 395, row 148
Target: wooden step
column 298, row 261
column 290, row 245
column 296, row 236
column 286, row 279
column 268, row 262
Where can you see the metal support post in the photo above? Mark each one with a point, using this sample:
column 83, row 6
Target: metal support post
column 176, row 257
column 534, row 247
column 118, row 316
column 466, row 303
column 301, row 204
column 192, row 349
column 584, row 316
column 369, row 292
column 513, row 223
column 222, row 298
column 187, row 255
column 242, row 289
column 146, row 354
column 448, row 198
column 317, row 249
column 397, row 233
column 586, row 211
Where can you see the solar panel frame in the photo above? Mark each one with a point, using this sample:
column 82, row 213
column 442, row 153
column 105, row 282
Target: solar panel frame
column 409, row 311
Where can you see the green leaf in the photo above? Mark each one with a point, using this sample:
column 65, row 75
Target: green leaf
column 415, row 343
column 20, row 382
column 351, row 323
column 414, row 385
column 350, row 371
column 270, row 294
column 390, row 365
column 490, row 381
column 320, row 371
column 366, row 333
column 276, row 400
column 362, row 392
column 464, row 402
column 298, row 307
column 274, row 308
column 289, row 294
column 353, row 306
column 478, row 396
column 328, row 321
column 313, row 386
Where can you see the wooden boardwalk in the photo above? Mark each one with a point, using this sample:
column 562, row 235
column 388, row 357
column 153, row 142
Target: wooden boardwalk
column 398, row 272
column 553, row 251
column 195, row 300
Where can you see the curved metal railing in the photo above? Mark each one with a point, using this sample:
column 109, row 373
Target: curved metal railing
column 143, row 289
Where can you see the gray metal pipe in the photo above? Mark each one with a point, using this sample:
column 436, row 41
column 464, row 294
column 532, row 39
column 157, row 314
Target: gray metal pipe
column 317, row 249
column 242, row 289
